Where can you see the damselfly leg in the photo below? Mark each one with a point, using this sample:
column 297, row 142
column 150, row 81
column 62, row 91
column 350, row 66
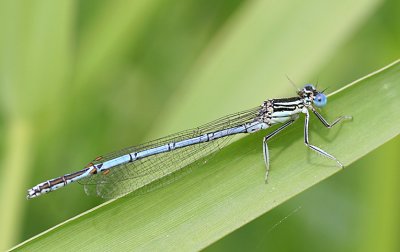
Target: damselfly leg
column 265, row 145
column 306, row 138
column 326, row 123
column 313, row 147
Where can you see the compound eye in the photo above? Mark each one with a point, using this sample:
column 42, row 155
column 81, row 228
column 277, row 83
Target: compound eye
column 320, row 100
column 309, row 87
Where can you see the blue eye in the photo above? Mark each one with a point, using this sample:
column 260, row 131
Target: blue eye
column 320, row 100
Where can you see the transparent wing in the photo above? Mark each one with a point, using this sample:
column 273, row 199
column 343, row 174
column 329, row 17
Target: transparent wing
column 129, row 177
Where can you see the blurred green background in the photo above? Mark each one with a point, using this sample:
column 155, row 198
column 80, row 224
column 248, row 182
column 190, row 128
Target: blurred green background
column 80, row 79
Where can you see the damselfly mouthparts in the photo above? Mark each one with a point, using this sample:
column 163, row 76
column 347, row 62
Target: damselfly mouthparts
column 124, row 171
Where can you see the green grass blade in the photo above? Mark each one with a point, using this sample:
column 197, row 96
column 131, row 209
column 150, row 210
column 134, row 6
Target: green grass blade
column 229, row 191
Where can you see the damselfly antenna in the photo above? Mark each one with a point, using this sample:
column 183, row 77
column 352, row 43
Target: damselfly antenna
column 316, row 84
column 293, row 84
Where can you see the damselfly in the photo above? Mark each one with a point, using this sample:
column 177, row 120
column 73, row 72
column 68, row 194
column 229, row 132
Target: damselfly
column 124, row 171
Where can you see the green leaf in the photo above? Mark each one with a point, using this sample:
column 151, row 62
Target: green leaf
column 229, row 190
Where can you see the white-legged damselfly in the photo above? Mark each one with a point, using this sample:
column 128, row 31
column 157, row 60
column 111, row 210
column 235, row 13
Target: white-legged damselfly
column 121, row 172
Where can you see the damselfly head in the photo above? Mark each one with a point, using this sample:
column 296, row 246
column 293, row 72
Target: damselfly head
column 310, row 93
column 307, row 92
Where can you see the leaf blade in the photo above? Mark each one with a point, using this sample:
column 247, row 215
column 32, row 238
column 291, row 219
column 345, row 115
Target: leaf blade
column 228, row 191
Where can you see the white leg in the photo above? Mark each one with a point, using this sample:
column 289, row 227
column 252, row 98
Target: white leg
column 265, row 145
column 315, row 148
